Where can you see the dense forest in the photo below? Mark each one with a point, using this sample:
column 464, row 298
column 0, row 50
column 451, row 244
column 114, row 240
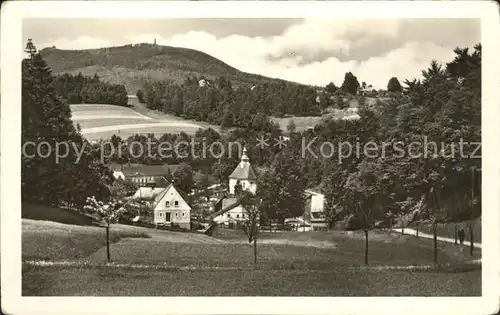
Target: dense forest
column 77, row 89
column 219, row 103
column 46, row 118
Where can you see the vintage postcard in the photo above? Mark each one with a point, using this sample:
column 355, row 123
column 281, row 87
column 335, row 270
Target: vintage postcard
column 250, row 157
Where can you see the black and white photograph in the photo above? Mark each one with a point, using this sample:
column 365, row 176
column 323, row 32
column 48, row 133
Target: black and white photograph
column 273, row 153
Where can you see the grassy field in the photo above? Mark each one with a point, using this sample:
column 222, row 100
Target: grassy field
column 100, row 121
column 289, row 263
column 46, row 213
column 334, row 282
column 45, row 240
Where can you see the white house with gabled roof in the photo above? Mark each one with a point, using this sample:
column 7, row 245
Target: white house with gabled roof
column 169, row 207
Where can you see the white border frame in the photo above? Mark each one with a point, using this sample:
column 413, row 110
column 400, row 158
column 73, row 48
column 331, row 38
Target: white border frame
column 11, row 43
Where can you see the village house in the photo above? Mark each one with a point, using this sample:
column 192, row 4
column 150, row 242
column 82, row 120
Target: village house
column 168, row 205
column 367, row 91
column 141, row 174
column 315, row 209
column 203, row 83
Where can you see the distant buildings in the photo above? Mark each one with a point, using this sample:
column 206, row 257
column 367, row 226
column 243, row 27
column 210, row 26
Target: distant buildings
column 203, row 83
column 141, row 174
column 367, row 91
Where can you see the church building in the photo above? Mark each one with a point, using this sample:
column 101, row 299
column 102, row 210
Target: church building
column 245, row 175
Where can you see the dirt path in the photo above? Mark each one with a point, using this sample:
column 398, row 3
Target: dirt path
column 430, row 236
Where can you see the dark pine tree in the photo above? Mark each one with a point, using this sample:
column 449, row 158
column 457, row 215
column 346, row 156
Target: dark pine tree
column 46, row 117
column 350, row 84
column 393, row 85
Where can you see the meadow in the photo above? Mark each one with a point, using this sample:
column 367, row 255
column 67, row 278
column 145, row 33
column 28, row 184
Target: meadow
column 70, row 259
column 100, row 121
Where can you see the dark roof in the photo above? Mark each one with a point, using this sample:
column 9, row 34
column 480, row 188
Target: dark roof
column 161, row 182
column 244, row 170
column 143, row 170
column 159, row 193
column 312, row 191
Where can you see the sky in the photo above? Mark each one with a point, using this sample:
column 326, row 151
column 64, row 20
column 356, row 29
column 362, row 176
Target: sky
column 308, row 51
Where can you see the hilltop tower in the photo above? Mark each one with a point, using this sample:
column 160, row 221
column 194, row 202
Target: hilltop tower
column 244, row 173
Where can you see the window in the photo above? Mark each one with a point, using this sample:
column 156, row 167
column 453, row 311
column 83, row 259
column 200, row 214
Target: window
column 167, row 203
column 161, row 214
column 176, row 214
column 228, row 215
column 183, row 214
column 237, row 216
column 176, row 203
column 243, row 215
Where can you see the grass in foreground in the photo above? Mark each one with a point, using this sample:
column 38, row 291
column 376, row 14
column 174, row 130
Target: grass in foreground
column 333, row 282
column 55, row 241
column 290, row 264
column 312, row 250
column 46, row 213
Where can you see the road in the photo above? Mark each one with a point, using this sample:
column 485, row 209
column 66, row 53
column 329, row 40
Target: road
column 439, row 238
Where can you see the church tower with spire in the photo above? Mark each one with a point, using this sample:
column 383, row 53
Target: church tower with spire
column 245, row 174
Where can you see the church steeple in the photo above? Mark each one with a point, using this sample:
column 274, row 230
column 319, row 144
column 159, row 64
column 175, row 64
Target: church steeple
column 244, row 156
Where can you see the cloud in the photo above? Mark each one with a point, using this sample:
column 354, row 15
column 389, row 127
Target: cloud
column 82, row 42
column 311, row 52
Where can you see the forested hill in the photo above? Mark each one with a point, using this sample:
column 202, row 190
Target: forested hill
column 131, row 65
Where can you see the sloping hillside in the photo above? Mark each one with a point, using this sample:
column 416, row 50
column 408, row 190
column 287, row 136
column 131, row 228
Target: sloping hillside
column 132, row 64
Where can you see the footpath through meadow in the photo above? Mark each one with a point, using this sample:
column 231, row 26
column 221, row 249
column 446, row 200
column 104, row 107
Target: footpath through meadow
column 409, row 231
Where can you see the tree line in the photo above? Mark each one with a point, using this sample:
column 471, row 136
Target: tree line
column 77, row 89
column 443, row 108
column 218, row 102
